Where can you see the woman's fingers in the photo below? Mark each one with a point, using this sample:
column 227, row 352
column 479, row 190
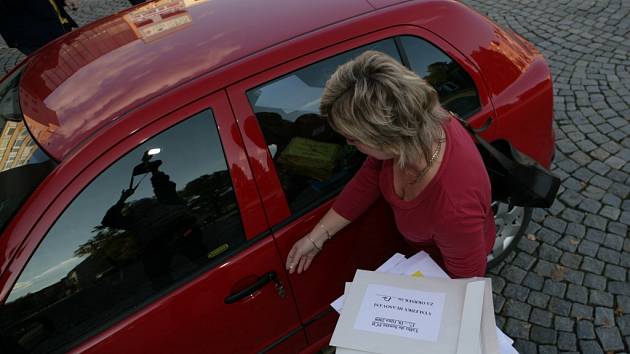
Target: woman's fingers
column 291, row 259
column 308, row 261
column 300, row 267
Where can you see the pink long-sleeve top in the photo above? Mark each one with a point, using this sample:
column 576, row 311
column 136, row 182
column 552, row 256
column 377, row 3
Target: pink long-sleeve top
column 451, row 218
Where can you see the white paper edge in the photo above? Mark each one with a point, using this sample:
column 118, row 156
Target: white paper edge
column 469, row 341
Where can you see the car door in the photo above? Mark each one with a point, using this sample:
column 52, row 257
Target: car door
column 277, row 111
column 159, row 246
column 280, row 106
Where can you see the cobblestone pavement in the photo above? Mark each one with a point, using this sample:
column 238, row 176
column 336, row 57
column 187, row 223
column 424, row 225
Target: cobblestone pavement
column 88, row 11
column 566, row 288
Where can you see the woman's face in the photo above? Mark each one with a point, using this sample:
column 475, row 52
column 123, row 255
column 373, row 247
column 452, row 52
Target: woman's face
column 370, row 151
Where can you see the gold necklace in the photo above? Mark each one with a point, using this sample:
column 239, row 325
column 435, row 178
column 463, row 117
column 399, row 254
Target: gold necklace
column 424, row 171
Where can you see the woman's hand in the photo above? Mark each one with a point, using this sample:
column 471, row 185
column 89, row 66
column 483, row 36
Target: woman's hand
column 302, row 254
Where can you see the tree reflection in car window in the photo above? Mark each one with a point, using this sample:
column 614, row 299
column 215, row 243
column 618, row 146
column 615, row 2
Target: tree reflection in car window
column 454, row 85
column 313, row 162
column 160, row 214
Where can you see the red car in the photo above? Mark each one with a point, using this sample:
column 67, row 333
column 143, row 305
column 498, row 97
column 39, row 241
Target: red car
column 157, row 166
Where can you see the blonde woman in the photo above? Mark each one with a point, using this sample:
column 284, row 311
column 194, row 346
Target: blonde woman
column 420, row 159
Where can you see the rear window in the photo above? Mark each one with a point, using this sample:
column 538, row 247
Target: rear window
column 23, row 165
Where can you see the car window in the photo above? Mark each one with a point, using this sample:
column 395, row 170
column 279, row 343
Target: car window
column 313, row 162
column 160, row 215
column 455, row 87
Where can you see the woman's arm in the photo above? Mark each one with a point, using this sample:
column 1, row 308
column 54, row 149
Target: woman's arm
column 356, row 197
column 305, row 249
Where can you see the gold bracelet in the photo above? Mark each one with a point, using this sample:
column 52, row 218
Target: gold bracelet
column 328, row 235
column 313, row 242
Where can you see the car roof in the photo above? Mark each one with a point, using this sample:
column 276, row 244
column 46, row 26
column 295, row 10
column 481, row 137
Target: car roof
column 86, row 79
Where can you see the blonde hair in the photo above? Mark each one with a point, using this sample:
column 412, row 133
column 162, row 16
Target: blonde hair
column 382, row 104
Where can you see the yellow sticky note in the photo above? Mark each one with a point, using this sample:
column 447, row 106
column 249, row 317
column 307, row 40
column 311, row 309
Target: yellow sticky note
column 417, row 274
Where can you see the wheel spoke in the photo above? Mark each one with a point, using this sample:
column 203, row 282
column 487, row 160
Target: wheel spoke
column 509, row 222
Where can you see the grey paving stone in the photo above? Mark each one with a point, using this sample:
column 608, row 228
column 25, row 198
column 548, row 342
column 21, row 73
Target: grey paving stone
column 617, row 228
column 595, row 235
column 585, row 329
column 571, row 260
column 596, row 282
column 514, row 291
column 498, row 284
column 588, row 248
column 592, row 192
column 589, row 205
column 618, row 176
column 572, row 276
column 517, row 329
column 525, row 347
column 623, row 323
column 538, row 299
column 533, row 281
column 524, row 261
column 544, row 268
column 498, row 302
column 564, row 323
column 614, row 162
column 582, row 312
column 573, row 199
column 577, row 230
column 548, row 236
column 590, row 347
column 567, row 341
column 620, row 190
column 500, row 321
column 601, row 182
column 559, row 306
column 541, row 317
column 554, row 288
column 595, row 221
column 527, row 245
column 619, row 288
column 577, row 293
column 600, row 298
column 610, row 212
column 570, row 166
column 547, row 349
column 549, row 253
column 604, row 316
column 574, row 184
column 596, row 166
column 610, row 338
column 567, row 243
column 517, row 310
column 513, row 274
column 586, row 145
column 543, row 335
column 608, row 255
column 592, row 265
column 623, row 302
column 615, row 272
column 555, row 224
column 614, row 241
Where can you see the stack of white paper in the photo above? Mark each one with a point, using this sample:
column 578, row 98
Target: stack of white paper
column 404, row 323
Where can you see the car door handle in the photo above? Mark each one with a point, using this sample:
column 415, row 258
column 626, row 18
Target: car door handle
column 262, row 281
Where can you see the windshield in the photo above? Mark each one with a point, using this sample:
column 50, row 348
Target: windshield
column 23, row 165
